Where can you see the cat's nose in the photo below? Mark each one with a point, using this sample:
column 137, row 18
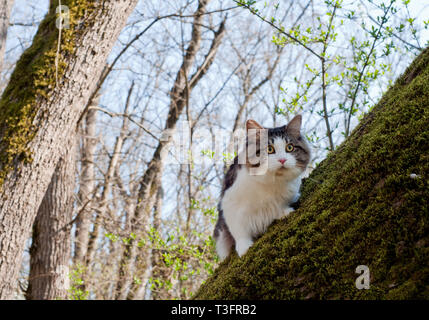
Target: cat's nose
column 282, row 161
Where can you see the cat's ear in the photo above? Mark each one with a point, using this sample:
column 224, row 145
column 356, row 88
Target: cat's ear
column 294, row 126
column 252, row 124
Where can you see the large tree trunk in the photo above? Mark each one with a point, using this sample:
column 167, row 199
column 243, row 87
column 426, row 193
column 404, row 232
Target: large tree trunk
column 366, row 204
column 50, row 248
column 39, row 111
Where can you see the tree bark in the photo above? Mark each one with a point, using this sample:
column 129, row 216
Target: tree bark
column 50, row 248
column 366, row 204
column 39, row 110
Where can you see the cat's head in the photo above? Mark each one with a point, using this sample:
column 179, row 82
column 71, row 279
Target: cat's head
column 281, row 151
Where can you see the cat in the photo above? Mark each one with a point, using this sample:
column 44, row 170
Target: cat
column 250, row 202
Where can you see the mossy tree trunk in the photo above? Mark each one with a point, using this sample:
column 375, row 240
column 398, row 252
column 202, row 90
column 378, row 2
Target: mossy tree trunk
column 39, row 111
column 366, row 204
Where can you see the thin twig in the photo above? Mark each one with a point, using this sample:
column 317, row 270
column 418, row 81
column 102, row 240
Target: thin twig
column 279, row 29
column 59, row 44
column 126, row 115
column 325, row 107
column 383, row 21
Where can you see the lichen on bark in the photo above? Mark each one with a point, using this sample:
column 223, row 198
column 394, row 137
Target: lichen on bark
column 34, row 80
column 366, row 204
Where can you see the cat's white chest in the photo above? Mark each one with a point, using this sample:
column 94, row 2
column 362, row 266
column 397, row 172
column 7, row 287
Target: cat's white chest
column 252, row 203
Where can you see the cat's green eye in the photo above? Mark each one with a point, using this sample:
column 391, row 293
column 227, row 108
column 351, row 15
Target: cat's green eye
column 270, row 149
column 289, row 148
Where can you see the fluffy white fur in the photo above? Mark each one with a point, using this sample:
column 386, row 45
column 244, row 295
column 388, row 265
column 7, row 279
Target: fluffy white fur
column 253, row 202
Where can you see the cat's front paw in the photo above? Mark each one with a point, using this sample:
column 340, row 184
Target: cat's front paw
column 286, row 212
column 242, row 245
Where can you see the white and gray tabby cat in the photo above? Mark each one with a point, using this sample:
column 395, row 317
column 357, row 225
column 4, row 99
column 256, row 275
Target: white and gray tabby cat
column 250, row 203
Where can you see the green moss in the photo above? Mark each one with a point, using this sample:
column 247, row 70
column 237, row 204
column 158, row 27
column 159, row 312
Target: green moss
column 358, row 207
column 34, row 80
